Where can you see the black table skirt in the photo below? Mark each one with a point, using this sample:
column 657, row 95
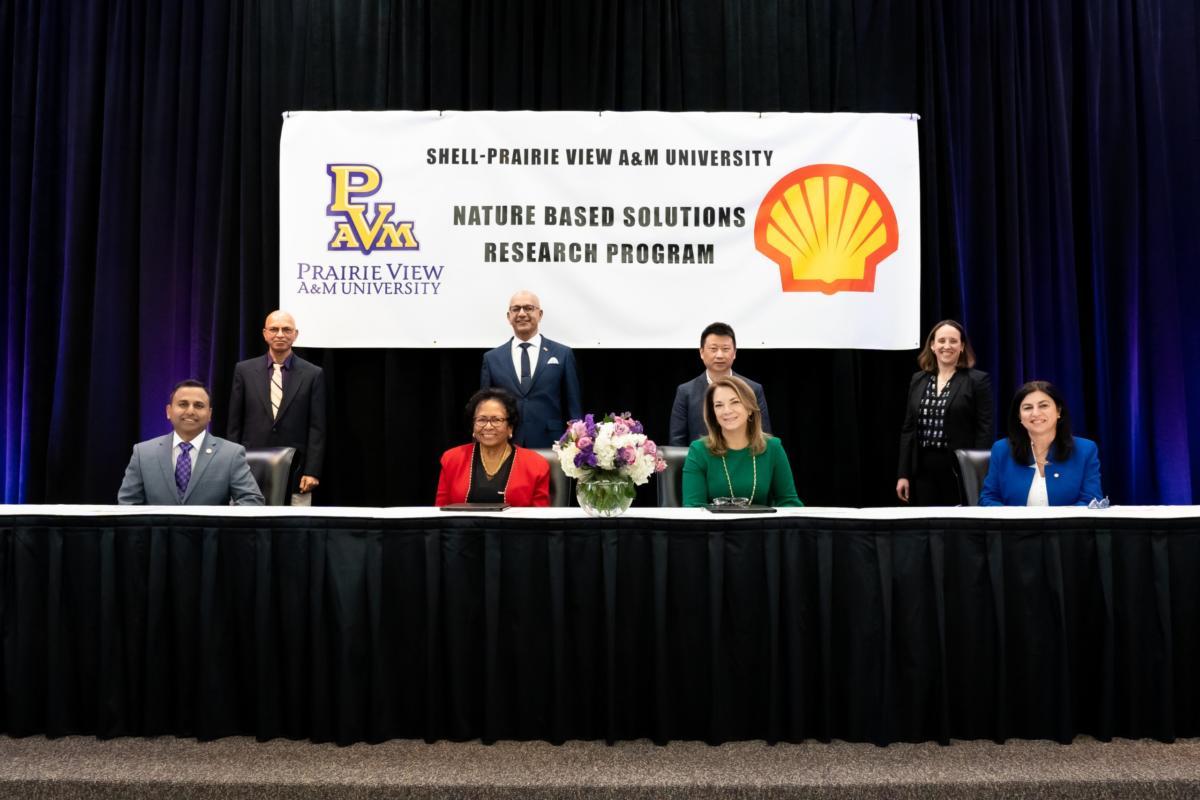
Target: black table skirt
column 776, row 628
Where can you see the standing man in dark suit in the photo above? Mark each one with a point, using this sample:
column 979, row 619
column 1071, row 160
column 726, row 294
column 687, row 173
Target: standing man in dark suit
column 278, row 400
column 718, row 349
column 538, row 372
column 189, row 467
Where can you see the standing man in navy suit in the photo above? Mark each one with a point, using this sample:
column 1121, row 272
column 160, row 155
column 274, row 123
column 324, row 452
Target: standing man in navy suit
column 718, row 349
column 538, row 372
column 278, row 400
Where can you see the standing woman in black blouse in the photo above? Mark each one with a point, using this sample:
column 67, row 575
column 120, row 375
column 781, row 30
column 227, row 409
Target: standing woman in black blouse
column 949, row 408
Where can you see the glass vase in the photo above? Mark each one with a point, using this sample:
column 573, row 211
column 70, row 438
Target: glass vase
column 605, row 497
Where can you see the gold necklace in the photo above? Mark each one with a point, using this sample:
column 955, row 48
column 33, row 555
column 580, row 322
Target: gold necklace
column 491, row 473
column 753, row 466
column 471, row 474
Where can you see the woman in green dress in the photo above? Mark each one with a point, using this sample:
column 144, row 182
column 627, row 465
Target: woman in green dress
column 736, row 459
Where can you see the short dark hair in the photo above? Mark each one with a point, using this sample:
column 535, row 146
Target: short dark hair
column 190, row 383
column 928, row 362
column 1018, row 438
column 718, row 329
column 500, row 395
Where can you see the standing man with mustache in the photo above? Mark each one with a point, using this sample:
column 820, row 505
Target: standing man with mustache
column 538, row 372
column 278, row 400
column 718, row 349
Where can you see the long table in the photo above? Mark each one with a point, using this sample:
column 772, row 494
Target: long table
column 353, row 625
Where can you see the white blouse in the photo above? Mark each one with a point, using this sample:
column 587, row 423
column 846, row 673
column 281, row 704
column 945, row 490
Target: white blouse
column 1037, row 489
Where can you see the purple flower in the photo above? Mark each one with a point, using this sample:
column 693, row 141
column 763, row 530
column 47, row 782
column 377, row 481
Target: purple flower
column 585, row 459
column 626, row 455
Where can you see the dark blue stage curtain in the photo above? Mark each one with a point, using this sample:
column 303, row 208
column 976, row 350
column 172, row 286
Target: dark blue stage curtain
column 1060, row 184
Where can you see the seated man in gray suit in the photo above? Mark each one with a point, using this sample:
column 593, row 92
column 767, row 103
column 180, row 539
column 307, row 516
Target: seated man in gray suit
column 189, row 467
column 718, row 349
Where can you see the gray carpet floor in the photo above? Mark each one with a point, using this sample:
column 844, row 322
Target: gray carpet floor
column 83, row 767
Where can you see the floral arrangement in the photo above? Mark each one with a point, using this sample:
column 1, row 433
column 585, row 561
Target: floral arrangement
column 614, row 448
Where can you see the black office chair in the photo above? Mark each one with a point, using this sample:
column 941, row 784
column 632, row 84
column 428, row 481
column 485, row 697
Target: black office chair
column 272, row 469
column 972, row 469
column 560, row 484
column 670, row 480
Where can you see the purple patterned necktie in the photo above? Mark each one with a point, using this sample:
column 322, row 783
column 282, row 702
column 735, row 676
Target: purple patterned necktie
column 183, row 468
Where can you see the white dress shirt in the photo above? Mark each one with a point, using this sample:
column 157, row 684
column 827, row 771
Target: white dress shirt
column 535, row 347
column 197, row 443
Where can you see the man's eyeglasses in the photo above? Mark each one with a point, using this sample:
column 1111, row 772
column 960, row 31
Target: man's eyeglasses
column 490, row 422
column 519, row 309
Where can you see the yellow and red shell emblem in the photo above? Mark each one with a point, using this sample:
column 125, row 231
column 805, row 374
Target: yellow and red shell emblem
column 827, row 226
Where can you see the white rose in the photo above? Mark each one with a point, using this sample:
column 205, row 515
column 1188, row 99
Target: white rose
column 566, row 459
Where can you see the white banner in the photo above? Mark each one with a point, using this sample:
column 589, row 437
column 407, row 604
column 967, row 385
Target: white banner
column 413, row 229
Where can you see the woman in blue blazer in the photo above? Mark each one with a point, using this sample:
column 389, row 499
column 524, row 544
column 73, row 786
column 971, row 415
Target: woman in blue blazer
column 1041, row 463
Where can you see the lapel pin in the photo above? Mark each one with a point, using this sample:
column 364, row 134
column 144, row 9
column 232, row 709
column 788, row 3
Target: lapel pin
column 208, row 452
column 1056, row 474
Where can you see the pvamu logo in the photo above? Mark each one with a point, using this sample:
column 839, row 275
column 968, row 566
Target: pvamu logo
column 364, row 226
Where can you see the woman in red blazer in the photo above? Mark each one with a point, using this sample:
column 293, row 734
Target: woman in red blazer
column 491, row 469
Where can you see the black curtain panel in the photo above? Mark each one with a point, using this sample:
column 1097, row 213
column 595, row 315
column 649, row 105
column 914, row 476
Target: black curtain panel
column 775, row 628
column 1059, row 183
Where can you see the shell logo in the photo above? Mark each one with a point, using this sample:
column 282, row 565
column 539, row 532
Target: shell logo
column 827, row 226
